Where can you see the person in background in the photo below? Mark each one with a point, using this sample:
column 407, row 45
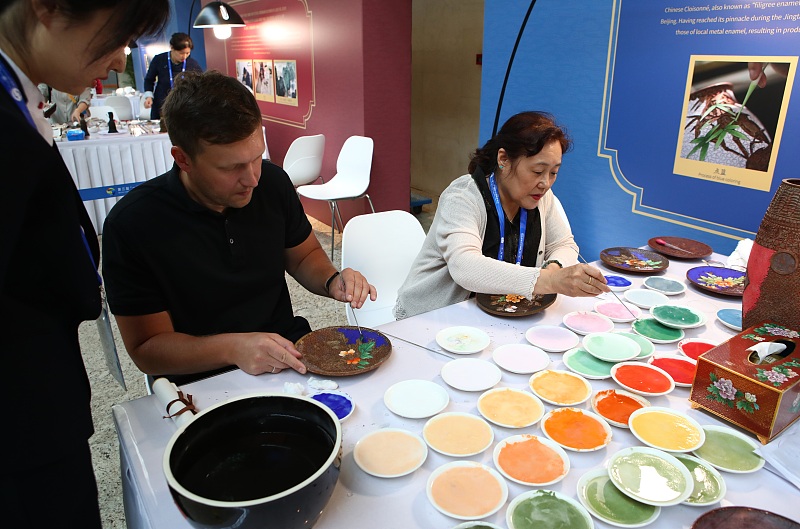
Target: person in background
column 195, row 260
column 165, row 69
column 500, row 229
column 69, row 107
column 49, row 282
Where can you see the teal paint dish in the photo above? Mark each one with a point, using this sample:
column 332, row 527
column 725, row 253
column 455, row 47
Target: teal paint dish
column 654, row 331
column 580, row 361
column 677, row 317
column 665, row 285
column 604, row 500
column 611, row 347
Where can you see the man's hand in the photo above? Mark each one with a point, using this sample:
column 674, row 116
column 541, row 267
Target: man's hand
column 263, row 352
column 148, row 102
column 352, row 287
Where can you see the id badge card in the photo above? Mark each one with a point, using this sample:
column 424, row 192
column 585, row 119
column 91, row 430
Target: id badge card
column 109, row 345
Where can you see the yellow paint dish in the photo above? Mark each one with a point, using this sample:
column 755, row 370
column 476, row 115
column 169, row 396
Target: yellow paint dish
column 390, row 453
column 457, row 434
column 510, row 408
column 466, row 490
column 561, row 388
column 666, row 429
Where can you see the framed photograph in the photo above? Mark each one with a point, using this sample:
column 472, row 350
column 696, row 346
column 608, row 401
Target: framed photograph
column 244, row 72
column 286, row 82
column 264, row 80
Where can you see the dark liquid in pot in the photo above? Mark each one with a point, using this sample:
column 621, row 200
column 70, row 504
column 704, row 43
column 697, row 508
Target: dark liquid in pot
column 254, row 465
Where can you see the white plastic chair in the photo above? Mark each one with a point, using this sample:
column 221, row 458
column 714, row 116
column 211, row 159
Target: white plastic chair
column 122, row 106
column 382, row 246
column 351, row 180
column 303, row 161
column 144, row 113
column 101, row 112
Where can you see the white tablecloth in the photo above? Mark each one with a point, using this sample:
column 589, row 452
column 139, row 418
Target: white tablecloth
column 114, row 160
column 361, row 501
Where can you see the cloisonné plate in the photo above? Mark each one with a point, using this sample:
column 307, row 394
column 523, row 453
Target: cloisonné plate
column 718, row 279
column 634, row 260
column 689, row 248
column 510, row 305
column 341, row 351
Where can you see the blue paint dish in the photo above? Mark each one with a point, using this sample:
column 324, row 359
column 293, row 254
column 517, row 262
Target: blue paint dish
column 339, row 402
column 617, row 283
column 731, row 318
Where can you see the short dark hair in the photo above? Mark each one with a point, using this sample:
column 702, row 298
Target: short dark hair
column 524, row 134
column 181, row 41
column 129, row 20
column 209, row 107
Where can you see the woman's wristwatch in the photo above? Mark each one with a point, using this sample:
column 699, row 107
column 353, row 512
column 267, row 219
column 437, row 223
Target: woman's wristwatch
column 551, row 261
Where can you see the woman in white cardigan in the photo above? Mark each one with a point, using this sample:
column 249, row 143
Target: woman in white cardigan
column 532, row 252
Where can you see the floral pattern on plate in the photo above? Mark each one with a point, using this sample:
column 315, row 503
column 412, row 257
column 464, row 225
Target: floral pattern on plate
column 634, row 259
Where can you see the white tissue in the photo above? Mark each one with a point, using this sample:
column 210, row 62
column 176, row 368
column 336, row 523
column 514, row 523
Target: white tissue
column 764, row 349
column 293, row 388
column 167, row 392
column 322, row 384
column 741, row 254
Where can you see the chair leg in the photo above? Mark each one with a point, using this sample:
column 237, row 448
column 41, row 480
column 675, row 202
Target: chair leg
column 370, row 202
column 332, row 205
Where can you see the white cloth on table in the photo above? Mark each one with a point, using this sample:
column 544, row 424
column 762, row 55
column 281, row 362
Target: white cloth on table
column 741, row 254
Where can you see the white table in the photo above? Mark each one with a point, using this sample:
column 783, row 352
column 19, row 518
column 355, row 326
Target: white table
column 106, row 165
column 362, row 501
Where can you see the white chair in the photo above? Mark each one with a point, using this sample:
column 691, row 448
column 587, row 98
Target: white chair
column 303, row 160
column 351, row 180
column 122, row 106
column 382, row 246
column 144, row 113
column 265, row 154
column 101, row 112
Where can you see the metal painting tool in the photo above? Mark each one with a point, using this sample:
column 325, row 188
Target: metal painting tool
column 662, row 242
column 636, row 318
column 361, row 334
column 420, row 346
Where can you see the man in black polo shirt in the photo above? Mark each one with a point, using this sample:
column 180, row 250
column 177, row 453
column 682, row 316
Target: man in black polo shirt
column 194, row 261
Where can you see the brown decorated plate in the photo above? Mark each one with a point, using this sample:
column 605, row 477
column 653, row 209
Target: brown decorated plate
column 634, row 260
column 735, row 517
column 510, row 305
column 683, row 248
column 339, row 351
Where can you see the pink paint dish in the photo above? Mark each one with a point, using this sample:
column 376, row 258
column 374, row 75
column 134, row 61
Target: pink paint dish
column 583, row 322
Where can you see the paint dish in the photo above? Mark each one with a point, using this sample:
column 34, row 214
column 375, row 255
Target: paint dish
column 462, row 340
column 561, row 388
column 546, row 509
column 680, row 368
column 477, row 525
column 457, row 434
column 643, row 379
column 611, row 347
column 521, row 358
column 578, row 360
column 552, row 338
column 583, row 322
column 617, row 283
column 709, row 486
column 466, row 490
column 694, row 347
column 617, row 405
column 647, row 348
column 666, row 429
column 645, row 298
column 471, row 374
column 665, row 285
column 338, row 401
column 730, row 318
column 510, row 408
column 617, row 312
column 604, row 500
column 650, row 476
column 729, row 450
column 576, row 429
column 416, row 399
column 531, row 460
column 651, row 329
column 678, row 317
column 390, row 453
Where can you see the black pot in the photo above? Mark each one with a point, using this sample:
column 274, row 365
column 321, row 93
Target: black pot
column 267, row 461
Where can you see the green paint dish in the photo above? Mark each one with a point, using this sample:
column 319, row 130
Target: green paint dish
column 709, row 487
column 654, row 331
column 677, row 316
column 602, row 498
column 646, row 346
column 546, row 509
column 650, row 476
column 728, row 450
column 580, row 361
column 611, row 347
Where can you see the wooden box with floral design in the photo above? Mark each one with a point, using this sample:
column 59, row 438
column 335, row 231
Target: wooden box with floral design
column 763, row 398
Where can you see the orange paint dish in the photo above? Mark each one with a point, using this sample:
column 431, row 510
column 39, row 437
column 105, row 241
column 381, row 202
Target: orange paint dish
column 510, row 408
column 531, row 460
column 561, row 388
column 576, row 429
column 643, row 379
column 667, row 429
column 466, row 490
column 457, row 434
column 390, row 453
column 617, row 405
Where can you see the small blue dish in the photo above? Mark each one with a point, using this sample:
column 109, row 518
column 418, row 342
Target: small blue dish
column 338, row 401
column 617, row 283
column 731, row 318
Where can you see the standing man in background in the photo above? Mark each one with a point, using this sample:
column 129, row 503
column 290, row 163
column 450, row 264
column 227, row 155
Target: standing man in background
column 69, row 107
column 164, row 70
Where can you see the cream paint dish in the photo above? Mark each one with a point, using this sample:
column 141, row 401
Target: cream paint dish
column 466, row 490
column 390, row 453
column 457, row 434
column 510, row 408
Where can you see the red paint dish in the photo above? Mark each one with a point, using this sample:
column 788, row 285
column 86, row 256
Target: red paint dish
column 681, row 369
column 693, row 347
column 642, row 379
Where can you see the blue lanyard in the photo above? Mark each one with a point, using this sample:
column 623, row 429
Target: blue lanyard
column 169, row 62
column 501, row 217
column 10, row 85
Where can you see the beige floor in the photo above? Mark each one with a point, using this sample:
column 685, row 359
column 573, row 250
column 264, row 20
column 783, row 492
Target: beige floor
column 320, row 312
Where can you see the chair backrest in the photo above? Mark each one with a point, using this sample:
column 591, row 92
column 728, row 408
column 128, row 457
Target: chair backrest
column 303, row 160
column 144, row 113
column 101, row 112
column 354, row 163
column 122, row 105
column 382, row 246
column 265, row 154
